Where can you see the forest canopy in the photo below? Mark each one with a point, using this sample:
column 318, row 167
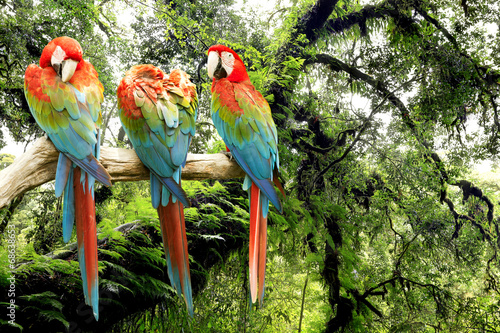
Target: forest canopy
column 388, row 123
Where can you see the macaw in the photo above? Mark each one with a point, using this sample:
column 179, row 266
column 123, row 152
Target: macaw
column 243, row 119
column 158, row 113
column 64, row 95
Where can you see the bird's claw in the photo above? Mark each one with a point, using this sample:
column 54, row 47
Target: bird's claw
column 228, row 154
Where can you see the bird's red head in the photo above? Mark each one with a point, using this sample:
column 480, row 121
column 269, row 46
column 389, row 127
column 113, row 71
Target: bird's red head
column 72, row 50
column 62, row 52
column 225, row 63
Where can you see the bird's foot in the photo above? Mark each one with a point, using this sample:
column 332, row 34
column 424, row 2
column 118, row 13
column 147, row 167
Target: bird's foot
column 228, row 154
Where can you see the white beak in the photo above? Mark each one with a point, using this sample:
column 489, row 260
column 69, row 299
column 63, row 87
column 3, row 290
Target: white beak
column 68, row 69
column 212, row 62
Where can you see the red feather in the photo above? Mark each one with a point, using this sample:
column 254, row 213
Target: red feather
column 257, row 246
column 262, row 251
column 70, row 46
column 176, row 250
column 86, row 234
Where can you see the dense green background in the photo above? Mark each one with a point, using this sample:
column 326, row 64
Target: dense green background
column 384, row 110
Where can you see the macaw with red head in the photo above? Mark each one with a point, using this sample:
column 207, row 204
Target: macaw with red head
column 64, row 95
column 243, row 119
column 158, row 112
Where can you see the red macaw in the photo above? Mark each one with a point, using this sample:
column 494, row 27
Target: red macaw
column 243, row 119
column 64, row 95
column 158, row 112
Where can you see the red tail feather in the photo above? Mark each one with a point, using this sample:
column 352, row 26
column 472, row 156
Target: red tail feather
column 254, row 241
column 87, row 238
column 176, row 250
column 257, row 246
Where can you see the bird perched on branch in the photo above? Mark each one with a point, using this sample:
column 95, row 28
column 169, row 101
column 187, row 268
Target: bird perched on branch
column 243, row 119
column 64, row 95
column 158, row 112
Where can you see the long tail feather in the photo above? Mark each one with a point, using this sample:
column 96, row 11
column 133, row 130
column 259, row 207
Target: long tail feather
column 254, row 243
column 86, row 238
column 63, row 168
column 262, row 246
column 176, row 249
column 68, row 207
column 258, row 243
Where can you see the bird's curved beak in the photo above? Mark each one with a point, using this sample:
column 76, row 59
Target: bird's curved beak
column 65, row 68
column 68, row 69
column 214, row 66
column 220, row 71
column 213, row 60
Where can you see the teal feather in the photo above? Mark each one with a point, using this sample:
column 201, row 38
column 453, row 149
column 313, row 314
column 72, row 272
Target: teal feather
column 68, row 219
column 178, row 151
column 165, row 196
column 155, row 185
column 62, row 172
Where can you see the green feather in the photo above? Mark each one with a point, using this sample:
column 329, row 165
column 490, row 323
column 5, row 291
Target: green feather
column 83, row 131
column 246, row 131
column 61, row 120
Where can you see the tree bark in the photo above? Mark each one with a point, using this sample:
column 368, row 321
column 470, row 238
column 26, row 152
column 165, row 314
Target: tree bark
column 38, row 166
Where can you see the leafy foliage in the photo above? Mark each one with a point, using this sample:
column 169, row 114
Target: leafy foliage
column 384, row 111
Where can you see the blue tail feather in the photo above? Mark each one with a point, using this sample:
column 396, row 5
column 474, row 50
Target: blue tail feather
column 62, row 172
column 265, row 185
column 83, row 269
column 155, row 190
column 68, row 208
column 165, row 196
column 93, row 167
column 175, row 189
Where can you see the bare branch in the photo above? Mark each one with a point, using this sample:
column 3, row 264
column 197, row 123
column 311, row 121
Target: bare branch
column 38, row 166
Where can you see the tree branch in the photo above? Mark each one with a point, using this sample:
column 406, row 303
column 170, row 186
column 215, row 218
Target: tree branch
column 38, row 166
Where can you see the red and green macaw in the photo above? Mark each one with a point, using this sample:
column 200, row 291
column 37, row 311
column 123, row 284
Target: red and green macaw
column 243, row 119
column 158, row 112
column 64, row 95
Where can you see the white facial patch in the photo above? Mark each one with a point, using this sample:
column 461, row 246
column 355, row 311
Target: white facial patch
column 213, row 60
column 58, row 56
column 227, row 62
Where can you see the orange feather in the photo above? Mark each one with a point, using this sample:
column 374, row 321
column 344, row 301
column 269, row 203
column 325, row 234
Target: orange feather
column 86, row 234
column 173, row 230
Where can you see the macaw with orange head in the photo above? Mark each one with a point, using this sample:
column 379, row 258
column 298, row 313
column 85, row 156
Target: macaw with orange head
column 158, row 112
column 243, row 119
column 64, row 95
